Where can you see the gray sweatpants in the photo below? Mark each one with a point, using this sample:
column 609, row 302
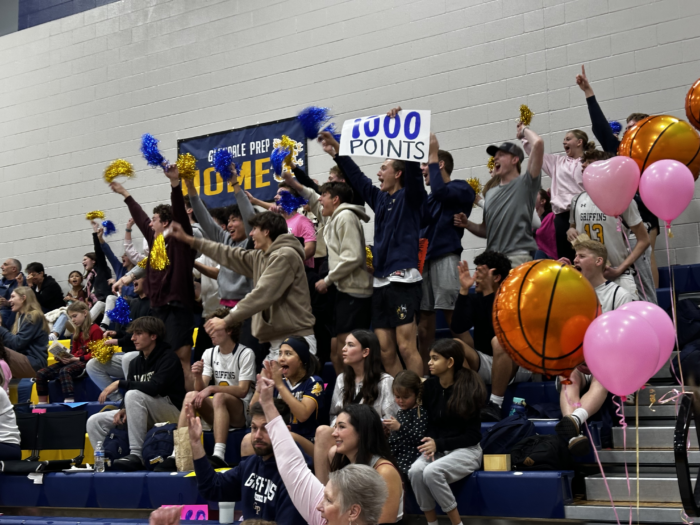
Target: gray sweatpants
column 142, row 412
column 431, row 479
column 102, row 374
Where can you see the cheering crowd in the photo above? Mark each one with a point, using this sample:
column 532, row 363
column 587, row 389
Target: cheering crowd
column 274, row 294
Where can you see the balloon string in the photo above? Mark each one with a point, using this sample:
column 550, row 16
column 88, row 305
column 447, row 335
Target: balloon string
column 602, row 473
column 673, row 312
column 636, row 436
column 623, row 423
column 629, row 248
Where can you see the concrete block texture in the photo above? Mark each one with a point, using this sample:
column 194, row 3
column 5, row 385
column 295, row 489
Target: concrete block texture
column 78, row 92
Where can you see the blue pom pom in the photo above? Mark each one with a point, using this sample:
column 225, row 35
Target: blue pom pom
column 109, row 227
column 616, row 127
column 223, row 159
column 121, row 313
column 290, row 203
column 312, row 119
column 149, row 149
column 330, row 128
column 277, row 159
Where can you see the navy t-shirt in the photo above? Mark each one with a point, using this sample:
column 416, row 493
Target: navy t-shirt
column 312, row 388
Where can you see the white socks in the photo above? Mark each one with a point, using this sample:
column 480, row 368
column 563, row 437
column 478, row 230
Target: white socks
column 497, row 399
column 69, row 400
column 432, row 523
column 581, row 415
column 220, row 450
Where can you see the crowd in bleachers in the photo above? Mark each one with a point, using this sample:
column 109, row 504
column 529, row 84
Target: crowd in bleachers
column 276, row 293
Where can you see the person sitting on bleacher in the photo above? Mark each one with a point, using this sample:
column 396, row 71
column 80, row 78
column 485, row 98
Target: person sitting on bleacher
column 26, row 342
column 69, row 368
column 225, row 403
column 453, row 396
column 296, row 385
column 585, row 395
column 11, row 279
column 255, row 482
column 9, row 432
column 118, row 367
column 155, row 389
column 492, row 364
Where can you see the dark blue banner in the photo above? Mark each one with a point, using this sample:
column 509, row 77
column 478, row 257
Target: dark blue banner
column 251, row 148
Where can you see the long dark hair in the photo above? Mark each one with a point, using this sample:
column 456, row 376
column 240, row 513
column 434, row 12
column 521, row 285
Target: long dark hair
column 372, row 366
column 371, row 438
column 469, row 394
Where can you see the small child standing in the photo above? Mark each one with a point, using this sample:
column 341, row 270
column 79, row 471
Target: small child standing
column 408, row 428
column 67, row 369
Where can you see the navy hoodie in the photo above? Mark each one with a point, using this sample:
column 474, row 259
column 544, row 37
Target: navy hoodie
column 444, row 202
column 397, row 217
column 255, row 483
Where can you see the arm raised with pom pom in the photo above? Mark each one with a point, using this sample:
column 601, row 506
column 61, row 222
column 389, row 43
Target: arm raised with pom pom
column 212, row 230
column 142, row 221
column 599, row 124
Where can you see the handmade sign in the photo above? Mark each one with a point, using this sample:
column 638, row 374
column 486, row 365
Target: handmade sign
column 405, row 137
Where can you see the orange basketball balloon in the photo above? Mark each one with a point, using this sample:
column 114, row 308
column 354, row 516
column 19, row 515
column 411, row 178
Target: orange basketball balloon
column 692, row 104
column 662, row 137
column 541, row 313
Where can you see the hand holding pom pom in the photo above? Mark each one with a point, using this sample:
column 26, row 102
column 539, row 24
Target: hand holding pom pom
column 525, row 115
column 150, row 152
column 616, row 127
column 224, row 164
column 187, row 166
column 100, row 351
column 118, row 168
column 109, row 227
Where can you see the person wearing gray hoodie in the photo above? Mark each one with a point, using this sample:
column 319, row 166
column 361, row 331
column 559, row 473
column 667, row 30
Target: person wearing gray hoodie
column 348, row 279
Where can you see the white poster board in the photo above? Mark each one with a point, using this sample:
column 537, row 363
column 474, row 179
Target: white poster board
column 405, row 137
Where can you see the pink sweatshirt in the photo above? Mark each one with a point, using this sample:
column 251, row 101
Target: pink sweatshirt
column 304, row 489
column 566, row 175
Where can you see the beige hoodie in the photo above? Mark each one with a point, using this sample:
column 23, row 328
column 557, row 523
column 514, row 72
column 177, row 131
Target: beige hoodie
column 279, row 303
column 345, row 241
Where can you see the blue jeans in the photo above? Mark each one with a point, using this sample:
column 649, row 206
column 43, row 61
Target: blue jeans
column 60, row 325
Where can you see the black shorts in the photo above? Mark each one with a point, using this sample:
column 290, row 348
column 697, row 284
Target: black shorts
column 395, row 304
column 179, row 324
column 351, row 313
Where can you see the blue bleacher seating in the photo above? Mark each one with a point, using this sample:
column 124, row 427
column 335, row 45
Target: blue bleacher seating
column 70, row 490
column 20, row 491
column 172, row 488
column 121, row 490
column 85, row 390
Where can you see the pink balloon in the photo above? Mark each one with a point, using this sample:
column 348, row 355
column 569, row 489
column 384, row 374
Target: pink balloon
column 662, row 324
column 621, row 351
column 612, row 184
column 666, row 187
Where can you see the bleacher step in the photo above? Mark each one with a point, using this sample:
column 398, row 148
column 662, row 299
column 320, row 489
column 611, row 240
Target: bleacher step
column 653, row 412
column 602, row 512
column 646, row 457
column 657, row 391
column 654, row 487
column 651, row 437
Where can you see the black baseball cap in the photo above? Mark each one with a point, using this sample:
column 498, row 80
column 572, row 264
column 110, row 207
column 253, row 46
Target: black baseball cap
column 508, row 147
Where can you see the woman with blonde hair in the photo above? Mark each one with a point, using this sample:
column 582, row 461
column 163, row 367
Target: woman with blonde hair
column 27, row 341
column 70, row 367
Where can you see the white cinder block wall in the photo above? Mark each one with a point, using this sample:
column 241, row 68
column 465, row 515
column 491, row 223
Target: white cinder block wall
column 79, row 92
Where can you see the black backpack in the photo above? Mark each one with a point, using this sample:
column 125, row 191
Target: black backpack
column 158, row 445
column 548, row 452
column 505, row 434
column 116, row 444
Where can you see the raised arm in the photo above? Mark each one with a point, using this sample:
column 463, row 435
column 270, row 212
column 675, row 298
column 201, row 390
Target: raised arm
column 304, row 179
column 536, row 160
column 212, row 230
column 142, row 221
column 244, row 205
column 177, row 199
column 599, row 124
column 441, row 189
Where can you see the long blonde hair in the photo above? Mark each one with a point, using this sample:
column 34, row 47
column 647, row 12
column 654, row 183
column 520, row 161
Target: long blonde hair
column 31, row 308
column 81, row 307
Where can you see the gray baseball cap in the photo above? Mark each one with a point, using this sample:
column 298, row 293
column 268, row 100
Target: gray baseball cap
column 508, row 147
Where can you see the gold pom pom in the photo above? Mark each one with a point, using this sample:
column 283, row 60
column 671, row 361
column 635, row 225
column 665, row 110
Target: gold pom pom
column 525, row 115
column 475, row 184
column 100, row 351
column 95, row 215
column 143, row 263
column 369, row 258
column 118, row 168
column 187, row 165
column 159, row 255
column 491, row 164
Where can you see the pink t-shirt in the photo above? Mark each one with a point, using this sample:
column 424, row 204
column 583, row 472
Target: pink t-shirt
column 6, row 374
column 300, row 226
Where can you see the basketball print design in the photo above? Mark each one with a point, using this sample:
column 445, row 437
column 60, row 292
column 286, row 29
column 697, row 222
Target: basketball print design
column 692, row 105
column 541, row 313
column 662, row 137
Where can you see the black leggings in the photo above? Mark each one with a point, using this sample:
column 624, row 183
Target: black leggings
column 561, row 226
column 9, row 452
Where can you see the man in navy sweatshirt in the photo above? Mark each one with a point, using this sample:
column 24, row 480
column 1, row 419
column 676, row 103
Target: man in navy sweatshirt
column 255, row 482
column 398, row 206
column 440, row 274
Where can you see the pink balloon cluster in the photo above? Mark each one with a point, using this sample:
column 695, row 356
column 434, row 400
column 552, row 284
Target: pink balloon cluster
column 666, row 186
column 626, row 347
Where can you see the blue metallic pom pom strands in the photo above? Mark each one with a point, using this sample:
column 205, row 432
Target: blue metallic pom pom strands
column 121, row 313
column 312, row 119
column 149, row 150
column 109, row 228
column 277, row 159
column 616, row 127
column 223, row 159
column 290, row 203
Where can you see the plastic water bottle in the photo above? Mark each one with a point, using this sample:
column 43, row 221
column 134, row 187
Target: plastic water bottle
column 99, row 458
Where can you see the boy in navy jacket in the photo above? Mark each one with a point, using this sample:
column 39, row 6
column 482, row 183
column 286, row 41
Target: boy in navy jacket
column 398, row 206
column 255, row 482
